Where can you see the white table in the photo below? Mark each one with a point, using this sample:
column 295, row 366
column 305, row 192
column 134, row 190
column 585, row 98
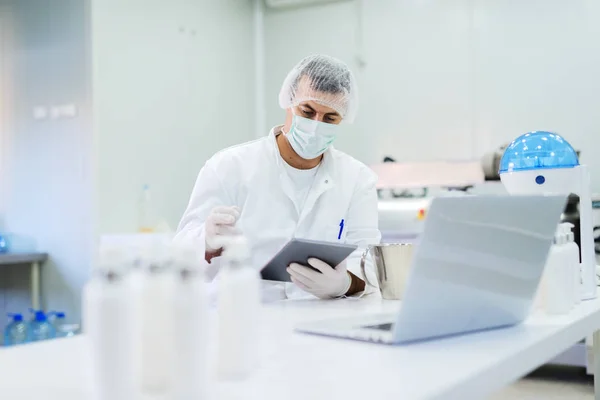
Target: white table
column 35, row 261
column 299, row 367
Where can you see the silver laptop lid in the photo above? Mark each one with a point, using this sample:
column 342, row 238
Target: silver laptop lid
column 478, row 264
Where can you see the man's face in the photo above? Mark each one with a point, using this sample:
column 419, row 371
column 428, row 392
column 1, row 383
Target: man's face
column 313, row 110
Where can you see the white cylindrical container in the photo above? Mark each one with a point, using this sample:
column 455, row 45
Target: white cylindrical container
column 569, row 262
column 191, row 333
column 238, row 309
column 573, row 254
column 154, row 324
column 558, row 296
column 107, row 322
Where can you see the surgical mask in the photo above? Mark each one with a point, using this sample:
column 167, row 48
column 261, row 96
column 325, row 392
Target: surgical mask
column 310, row 138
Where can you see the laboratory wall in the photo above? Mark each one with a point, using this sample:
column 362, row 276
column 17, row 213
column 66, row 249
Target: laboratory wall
column 46, row 191
column 412, row 63
column 451, row 79
column 173, row 84
column 6, row 43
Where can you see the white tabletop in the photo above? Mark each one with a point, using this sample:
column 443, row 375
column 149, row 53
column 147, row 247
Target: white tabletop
column 297, row 366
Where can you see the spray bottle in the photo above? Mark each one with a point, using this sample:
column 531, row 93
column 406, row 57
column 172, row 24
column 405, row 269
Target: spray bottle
column 238, row 308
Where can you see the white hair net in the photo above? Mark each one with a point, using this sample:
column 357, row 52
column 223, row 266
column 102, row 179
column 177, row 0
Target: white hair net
column 325, row 80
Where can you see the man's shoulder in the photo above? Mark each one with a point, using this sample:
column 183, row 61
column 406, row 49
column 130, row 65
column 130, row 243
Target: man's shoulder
column 238, row 153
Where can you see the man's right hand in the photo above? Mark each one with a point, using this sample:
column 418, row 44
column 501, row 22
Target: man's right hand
column 219, row 223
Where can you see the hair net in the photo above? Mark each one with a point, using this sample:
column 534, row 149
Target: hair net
column 325, row 80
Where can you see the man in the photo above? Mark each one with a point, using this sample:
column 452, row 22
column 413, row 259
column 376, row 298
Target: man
column 292, row 183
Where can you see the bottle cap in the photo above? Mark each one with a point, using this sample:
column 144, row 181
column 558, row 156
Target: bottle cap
column 186, row 259
column 16, row 317
column 38, row 315
column 236, row 248
column 156, row 258
column 112, row 263
column 559, row 236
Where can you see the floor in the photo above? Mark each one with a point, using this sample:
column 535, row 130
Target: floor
column 549, row 383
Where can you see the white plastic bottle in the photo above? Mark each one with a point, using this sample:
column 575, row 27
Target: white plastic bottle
column 569, row 262
column 107, row 322
column 558, row 296
column 154, row 323
column 191, row 321
column 238, row 309
column 573, row 252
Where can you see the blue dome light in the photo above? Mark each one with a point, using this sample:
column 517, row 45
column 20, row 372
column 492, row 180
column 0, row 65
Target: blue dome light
column 538, row 150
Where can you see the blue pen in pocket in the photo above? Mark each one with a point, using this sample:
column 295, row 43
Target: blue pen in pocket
column 341, row 229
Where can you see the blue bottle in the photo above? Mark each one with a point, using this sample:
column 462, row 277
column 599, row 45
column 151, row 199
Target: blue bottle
column 40, row 328
column 3, row 244
column 16, row 331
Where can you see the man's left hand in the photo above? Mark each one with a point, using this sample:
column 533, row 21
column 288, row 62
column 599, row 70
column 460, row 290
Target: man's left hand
column 328, row 283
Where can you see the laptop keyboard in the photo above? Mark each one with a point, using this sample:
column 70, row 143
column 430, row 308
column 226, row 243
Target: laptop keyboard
column 381, row 327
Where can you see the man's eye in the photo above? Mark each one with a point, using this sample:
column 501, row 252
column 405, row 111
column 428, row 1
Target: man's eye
column 307, row 112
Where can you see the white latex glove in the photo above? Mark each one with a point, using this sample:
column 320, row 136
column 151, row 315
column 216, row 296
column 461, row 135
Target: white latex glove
column 329, row 283
column 219, row 223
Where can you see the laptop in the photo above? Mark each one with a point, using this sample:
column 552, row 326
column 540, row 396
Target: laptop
column 477, row 266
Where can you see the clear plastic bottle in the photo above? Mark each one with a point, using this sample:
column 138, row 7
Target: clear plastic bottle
column 62, row 328
column 146, row 217
column 40, row 328
column 191, row 333
column 3, row 244
column 238, row 308
column 16, row 331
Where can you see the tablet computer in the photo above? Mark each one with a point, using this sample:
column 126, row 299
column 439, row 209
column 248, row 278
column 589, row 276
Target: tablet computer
column 299, row 251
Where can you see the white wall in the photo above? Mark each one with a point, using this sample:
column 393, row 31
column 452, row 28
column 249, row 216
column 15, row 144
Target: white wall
column 173, row 84
column 6, row 96
column 452, row 79
column 48, row 185
column 414, row 101
column 537, row 66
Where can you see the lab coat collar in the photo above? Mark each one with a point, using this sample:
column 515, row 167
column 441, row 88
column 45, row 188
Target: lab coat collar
column 323, row 179
column 327, row 166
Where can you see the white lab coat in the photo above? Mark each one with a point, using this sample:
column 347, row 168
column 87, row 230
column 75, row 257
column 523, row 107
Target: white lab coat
column 252, row 177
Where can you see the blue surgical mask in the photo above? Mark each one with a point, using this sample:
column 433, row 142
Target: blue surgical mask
column 310, row 138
